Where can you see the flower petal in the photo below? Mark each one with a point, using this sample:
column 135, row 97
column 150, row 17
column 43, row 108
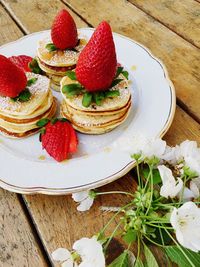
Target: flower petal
column 61, row 254
column 85, row 204
column 80, row 196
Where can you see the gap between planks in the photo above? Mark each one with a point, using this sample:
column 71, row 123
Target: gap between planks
column 179, row 34
column 33, row 226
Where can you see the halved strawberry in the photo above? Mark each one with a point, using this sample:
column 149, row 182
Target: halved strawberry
column 22, row 62
column 12, row 79
column 59, row 138
column 73, row 140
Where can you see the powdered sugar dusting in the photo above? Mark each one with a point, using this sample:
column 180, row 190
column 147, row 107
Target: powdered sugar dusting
column 59, row 57
column 41, row 86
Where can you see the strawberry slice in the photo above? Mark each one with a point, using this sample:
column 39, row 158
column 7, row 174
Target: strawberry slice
column 59, row 138
column 73, row 140
column 22, row 62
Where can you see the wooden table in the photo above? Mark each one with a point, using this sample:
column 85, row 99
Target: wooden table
column 31, row 227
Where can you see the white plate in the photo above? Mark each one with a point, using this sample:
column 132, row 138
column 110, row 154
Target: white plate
column 97, row 162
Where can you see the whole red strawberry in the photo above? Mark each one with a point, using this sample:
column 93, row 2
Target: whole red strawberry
column 22, row 62
column 97, row 63
column 12, row 79
column 63, row 31
column 59, row 140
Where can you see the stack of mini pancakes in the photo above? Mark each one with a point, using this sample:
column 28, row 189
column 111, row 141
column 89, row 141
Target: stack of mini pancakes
column 56, row 63
column 97, row 119
column 18, row 119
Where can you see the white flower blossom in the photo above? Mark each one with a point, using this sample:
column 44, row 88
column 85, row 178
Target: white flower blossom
column 63, row 255
column 90, row 251
column 85, row 199
column 154, row 147
column 170, row 187
column 186, row 223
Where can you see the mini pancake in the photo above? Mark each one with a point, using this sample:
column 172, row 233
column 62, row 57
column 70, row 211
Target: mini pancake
column 18, row 119
column 97, row 119
column 59, row 58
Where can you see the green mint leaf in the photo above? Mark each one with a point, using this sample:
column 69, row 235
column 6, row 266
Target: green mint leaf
column 31, row 81
column 71, row 74
column 87, row 99
column 24, row 96
column 98, row 98
column 115, row 82
column 150, row 259
column 113, row 93
column 54, row 120
column 130, row 236
column 62, row 119
column 33, row 65
column 71, row 87
column 119, row 71
column 177, row 256
column 51, row 47
column 126, row 74
column 42, row 122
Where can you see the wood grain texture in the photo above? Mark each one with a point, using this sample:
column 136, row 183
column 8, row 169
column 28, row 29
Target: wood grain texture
column 18, row 246
column 40, row 13
column 56, row 219
column 183, row 16
column 180, row 57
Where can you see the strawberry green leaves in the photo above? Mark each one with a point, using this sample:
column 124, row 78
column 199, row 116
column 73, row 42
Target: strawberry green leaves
column 24, row 96
column 71, row 74
column 33, row 65
column 51, row 47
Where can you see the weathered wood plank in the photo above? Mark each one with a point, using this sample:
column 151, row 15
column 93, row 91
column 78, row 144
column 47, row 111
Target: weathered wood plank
column 40, row 13
column 180, row 57
column 18, row 246
column 183, row 16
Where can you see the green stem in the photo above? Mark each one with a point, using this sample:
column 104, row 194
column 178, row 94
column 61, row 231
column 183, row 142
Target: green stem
column 115, row 192
column 182, row 191
column 138, row 174
column 183, row 252
column 151, row 196
column 112, row 235
column 159, row 226
column 114, row 216
column 139, row 245
column 153, row 242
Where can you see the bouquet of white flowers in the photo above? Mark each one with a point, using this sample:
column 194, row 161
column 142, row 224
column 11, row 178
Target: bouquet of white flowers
column 163, row 211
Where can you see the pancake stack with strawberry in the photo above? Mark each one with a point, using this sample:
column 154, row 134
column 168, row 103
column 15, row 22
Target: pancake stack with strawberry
column 96, row 95
column 60, row 53
column 24, row 98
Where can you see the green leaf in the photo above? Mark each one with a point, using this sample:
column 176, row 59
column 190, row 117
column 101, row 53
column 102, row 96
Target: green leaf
column 98, row 97
column 31, row 81
column 42, row 122
column 87, row 99
column 54, row 120
column 33, row 65
column 51, row 47
column 150, row 259
column 72, row 89
column 119, row 71
column 113, row 93
column 71, row 74
column 156, row 175
column 121, row 261
column 139, row 263
column 24, row 96
column 175, row 255
column 115, row 82
column 126, row 74
column 130, row 236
